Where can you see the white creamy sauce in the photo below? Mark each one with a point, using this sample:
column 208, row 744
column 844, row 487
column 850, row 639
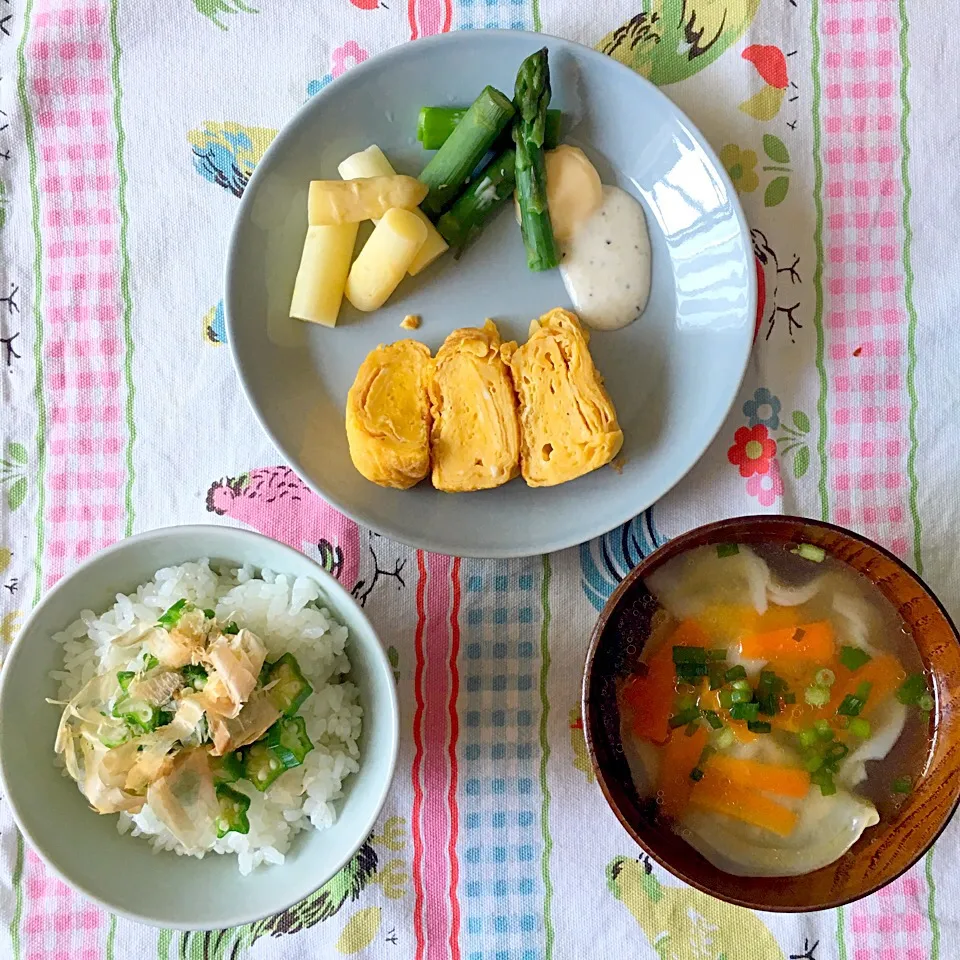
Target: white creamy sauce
column 606, row 265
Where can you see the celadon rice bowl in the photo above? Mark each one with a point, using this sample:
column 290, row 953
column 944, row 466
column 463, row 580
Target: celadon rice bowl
column 289, row 616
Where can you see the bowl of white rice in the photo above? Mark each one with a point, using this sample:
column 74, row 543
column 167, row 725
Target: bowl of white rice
column 97, row 623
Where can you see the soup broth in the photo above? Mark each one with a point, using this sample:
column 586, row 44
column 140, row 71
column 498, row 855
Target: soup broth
column 779, row 709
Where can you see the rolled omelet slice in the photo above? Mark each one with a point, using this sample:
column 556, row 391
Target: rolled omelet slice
column 388, row 415
column 475, row 434
column 567, row 420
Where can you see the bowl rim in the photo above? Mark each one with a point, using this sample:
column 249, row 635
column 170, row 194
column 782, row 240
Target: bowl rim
column 339, row 597
column 667, row 551
column 356, row 512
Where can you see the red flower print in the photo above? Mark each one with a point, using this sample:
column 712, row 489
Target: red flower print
column 752, row 450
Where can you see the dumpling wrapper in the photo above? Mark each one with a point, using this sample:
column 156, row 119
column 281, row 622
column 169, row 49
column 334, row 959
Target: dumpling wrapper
column 475, row 433
column 388, row 415
column 827, row 828
column 567, row 420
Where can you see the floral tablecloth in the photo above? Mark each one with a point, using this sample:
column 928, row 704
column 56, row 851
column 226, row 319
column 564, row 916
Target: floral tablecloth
column 129, row 129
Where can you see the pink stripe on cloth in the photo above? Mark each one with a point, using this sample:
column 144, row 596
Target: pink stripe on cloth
column 892, row 925
column 865, row 309
column 71, row 101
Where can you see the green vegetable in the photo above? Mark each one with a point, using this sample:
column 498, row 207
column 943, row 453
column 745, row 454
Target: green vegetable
column 726, row 699
column 717, row 654
column 233, row 811
column 210, row 614
column 713, row 718
column 288, row 741
column 925, row 702
column 810, row 552
column 124, row 677
column 483, row 197
column 769, row 688
column 149, row 662
column 853, row 703
column 138, row 713
column 261, row 766
column 741, row 685
column 226, row 769
column 691, row 729
column 716, row 672
column 807, row 737
column 725, row 739
column 696, row 774
column 824, row 730
column 727, row 550
column 164, row 717
column 825, row 678
column 172, row 617
column 532, row 95
column 194, row 676
column 902, row 785
column 735, row 673
column 684, row 717
column 789, row 697
column 689, row 655
column 741, row 696
column 816, row 696
column 114, row 737
column 824, row 780
column 860, row 728
column 463, row 150
column 435, row 124
column 853, row 658
column 758, row 726
column 289, row 686
column 912, row 689
column 231, row 629
column 691, row 672
column 684, row 702
column 745, row 711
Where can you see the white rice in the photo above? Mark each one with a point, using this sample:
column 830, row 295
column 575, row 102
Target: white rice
column 288, row 616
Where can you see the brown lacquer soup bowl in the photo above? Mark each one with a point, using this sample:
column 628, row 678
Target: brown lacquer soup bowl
column 883, row 851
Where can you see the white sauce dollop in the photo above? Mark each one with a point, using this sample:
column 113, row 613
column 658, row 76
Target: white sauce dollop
column 606, row 265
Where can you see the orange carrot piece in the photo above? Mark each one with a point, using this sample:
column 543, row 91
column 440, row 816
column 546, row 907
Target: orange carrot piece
column 680, row 756
column 651, row 697
column 884, row 673
column 766, row 777
column 788, row 643
column 728, row 622
column 719, row 795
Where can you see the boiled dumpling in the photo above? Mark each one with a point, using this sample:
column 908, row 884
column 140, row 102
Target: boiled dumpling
column 887, row 723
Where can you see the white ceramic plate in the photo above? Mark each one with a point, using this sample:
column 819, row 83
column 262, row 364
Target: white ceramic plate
column 673, row 374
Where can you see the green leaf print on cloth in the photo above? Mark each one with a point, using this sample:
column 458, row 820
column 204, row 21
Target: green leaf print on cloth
column 212, row 9
column 674, row 39
column 683, row 924
column 13, row 475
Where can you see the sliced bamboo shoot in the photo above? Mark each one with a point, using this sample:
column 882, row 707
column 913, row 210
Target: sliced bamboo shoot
column 372, row 163
column 334, row 201
column 322, row 277
column 385, row 258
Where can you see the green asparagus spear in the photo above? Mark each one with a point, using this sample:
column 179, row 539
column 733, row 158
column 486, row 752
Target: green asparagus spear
column 531, row 97
column 474, row 208
column 446, row 173
column 435, row 124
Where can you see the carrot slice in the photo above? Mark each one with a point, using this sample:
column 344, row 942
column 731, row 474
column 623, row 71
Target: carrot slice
column 680, row 756
column 766, row 777
column 808, row 641
column 719, row 795
column 650, row 697
column 728, row 622
column 884, row 673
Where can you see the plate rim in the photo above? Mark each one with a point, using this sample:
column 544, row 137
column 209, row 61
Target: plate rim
column 374, row 64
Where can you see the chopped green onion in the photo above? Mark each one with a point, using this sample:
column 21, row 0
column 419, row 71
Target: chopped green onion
column 210, row 614
column 691, row 729
column 124, row 677
column 717, row 653
column 813, row 762
column 685, row 702
column 902, row 785
column 689, row 655
column 816, row 696
column 925, row 702
column 825, row 678
column 172, row 616
column 789, row 698
column 690, row 672
column 231, row 628
column 850, row 706
column 745, row 711
column 727, row 550
column 164, row 717
column 810, row 552
column 853, row 658
column 741, row 685
column 735, row 673
column 912, row 689
column 726, row 699
column 716, row 675
column 807, row 737
column 149, row 662
column 860, row 728
column 725, row 739
column 194, row 675
column 758, row 726
column 696, row 774
column 837, row 751
column 741, row 696
column 684, row 717
column 824, row 780
column 824, row 730
column 713, row 719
